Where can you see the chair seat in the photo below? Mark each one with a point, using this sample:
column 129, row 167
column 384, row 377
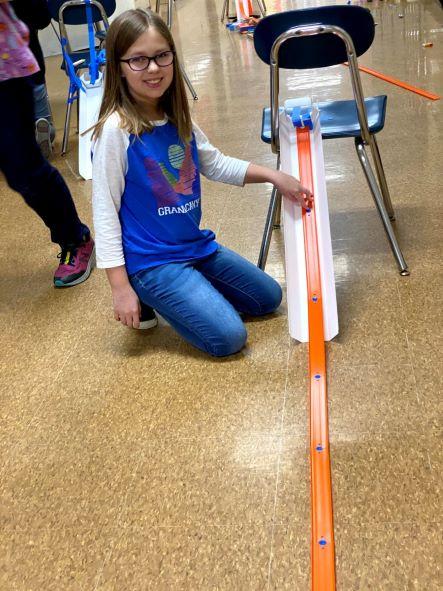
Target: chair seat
column 339, row 119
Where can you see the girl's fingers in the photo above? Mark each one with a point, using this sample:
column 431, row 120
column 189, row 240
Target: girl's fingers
column 131, row 319
column 304, row 201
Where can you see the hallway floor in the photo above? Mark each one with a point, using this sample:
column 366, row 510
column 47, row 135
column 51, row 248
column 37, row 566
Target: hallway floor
column 130, row 461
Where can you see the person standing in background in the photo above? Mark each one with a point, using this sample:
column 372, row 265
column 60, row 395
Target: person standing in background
column 22, row 162
column 35, row 15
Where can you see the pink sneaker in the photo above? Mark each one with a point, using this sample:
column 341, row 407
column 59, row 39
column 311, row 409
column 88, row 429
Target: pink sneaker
column 76, row 264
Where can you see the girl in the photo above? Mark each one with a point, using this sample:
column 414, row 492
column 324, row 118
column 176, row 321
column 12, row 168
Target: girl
column 148, row 155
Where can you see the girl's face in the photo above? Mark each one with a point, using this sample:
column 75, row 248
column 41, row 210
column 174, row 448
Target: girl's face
column 147, row 86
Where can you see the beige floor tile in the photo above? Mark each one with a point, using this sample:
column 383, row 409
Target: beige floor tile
column 369, row 400
column 291, row 563
column 60, row 509
column 421, row 302
column 164, row 558
column 222, row 403
column 202, row 482
column 396, row 556
column 383, row 479
column 293, row 497
column 371, row 330
column 53, row 556
column 140, row 406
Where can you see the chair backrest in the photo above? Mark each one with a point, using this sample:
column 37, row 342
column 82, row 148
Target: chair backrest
column 315, row 38
column 319, row 51
column 75, row 14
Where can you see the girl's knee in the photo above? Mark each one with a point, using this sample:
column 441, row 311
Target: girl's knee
column 272, row 297
column 230, row 341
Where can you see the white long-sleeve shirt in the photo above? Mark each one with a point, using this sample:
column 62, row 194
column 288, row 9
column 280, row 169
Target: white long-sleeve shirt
column 146, row 194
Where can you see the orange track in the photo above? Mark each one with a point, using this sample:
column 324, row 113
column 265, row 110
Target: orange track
column 242, row 15
column 396, row 82
column 322, row 531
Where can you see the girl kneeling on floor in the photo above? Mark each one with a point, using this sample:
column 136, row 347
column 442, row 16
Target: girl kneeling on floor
column 148, row 156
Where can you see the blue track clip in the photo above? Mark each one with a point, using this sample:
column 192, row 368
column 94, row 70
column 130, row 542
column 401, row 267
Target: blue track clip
column 301, row 117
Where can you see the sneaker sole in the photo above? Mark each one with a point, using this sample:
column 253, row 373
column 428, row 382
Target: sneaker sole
column 43, row 137
column 146, row 324
column 91, row 263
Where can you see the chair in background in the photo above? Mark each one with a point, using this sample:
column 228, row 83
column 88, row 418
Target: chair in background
column 226, row 9
column 169, row 24
column 319, row 38
column 73, row 12
column 170, row 7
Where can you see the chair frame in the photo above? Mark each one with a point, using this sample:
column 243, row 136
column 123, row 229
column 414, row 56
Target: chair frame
column 73, row 94
column 169, row 25
column 380, row 191
column 170, row 6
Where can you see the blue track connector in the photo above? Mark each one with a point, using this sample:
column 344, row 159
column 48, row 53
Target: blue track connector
column 301, row 117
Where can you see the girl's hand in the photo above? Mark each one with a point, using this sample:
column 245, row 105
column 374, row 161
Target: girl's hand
column 126, row 306
column 290, row 187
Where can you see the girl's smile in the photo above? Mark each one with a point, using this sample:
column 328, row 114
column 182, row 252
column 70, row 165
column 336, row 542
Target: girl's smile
column 153, row 83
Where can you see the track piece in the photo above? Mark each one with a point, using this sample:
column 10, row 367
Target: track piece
column 322, row 531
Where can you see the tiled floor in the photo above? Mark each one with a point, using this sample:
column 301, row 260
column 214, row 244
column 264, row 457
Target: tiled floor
column 132, row 462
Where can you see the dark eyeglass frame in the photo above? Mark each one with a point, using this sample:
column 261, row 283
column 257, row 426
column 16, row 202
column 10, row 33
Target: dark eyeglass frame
column 150, row 59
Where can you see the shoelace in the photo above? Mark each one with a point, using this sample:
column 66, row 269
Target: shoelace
column 67, row 256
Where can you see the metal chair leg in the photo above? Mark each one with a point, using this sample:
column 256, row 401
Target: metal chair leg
column 67, row 123
column 170, row 7
column 262, row 7
column 378, row 198
column 225, row 10
column 157, row 5
column 189, row 84
column 277, row 218
column 272, row 221
column 381, row 177
column 267, row 233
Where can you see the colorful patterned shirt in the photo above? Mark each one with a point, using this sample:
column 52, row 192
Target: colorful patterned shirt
column 16, row 59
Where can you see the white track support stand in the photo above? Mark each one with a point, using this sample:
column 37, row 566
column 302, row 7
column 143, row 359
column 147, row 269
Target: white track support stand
column 89, row 108
column 294, row 234
column 243, row 9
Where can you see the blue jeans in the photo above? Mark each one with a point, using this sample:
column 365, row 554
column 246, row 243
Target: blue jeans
column 202, row 299
column 42, row 109
column 41, row 102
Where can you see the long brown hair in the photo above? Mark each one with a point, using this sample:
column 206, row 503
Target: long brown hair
column 124, row 32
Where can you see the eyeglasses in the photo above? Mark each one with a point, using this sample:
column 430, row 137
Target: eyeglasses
column 141, row 62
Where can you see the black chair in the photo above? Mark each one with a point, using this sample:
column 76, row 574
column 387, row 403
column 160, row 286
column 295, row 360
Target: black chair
column 73, row 12
column 319, row 38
